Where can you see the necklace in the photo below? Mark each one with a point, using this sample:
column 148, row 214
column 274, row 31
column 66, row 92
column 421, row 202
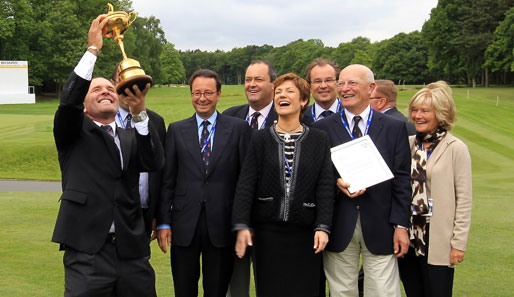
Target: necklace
column 287, row 136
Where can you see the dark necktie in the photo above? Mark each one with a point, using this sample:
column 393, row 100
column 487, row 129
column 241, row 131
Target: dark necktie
column 129, row 121
column 108, row 129
column 356, row 132
column 206, row 154
column 253, row 123
column 326, row 114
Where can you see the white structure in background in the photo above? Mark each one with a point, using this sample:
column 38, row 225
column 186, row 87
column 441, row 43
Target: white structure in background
column 14, row 83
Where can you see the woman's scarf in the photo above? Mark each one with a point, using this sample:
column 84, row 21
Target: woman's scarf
column 421, row 203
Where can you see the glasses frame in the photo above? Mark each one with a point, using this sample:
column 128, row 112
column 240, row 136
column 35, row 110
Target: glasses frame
column 206, row 94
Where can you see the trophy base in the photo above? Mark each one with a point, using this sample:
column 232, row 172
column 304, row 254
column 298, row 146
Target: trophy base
column 139, row 80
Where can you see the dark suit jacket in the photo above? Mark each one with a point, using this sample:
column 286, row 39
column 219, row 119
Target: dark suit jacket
column 394, row 112
column 307, row 116
column 241, row 112
column 382, row 206
column 157, row 126
column 96, row 191
column 185, row 184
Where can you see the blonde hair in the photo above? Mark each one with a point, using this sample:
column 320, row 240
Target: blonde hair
column 439, row 95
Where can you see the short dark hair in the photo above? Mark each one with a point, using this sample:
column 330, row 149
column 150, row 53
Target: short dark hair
column 387, row 89
column 320, row 62
column 272, row 71
column 205, row 73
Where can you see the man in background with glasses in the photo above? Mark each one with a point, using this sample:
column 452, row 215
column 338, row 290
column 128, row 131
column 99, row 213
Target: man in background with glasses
column 383, row 99
column 321, row 75
column 204, row 155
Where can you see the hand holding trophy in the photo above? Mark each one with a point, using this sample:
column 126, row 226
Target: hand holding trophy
column 129, row 70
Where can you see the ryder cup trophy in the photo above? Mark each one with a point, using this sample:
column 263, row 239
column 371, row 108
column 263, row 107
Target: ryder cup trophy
column 129, row 70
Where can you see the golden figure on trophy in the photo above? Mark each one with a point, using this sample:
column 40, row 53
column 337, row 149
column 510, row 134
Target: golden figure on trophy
column 129, row 70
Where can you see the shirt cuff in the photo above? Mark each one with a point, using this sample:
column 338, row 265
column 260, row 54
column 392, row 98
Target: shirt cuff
column 323, row 227
column 86, row 65
column 163, row 226
column 238, row 227
column 142, row 127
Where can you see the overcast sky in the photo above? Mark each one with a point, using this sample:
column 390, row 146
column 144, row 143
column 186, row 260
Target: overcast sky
column 225, row 24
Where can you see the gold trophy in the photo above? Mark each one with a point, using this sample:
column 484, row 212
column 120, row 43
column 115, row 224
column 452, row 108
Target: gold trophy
column 129, row 70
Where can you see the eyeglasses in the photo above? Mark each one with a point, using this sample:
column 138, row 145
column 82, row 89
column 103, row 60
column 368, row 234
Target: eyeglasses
column 327, row 81
column 371, row 98
column 207, row 94
column 351, row 83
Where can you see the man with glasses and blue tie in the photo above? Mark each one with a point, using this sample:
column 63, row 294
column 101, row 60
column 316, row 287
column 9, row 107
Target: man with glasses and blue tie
column 204, row 155
column 321, row 75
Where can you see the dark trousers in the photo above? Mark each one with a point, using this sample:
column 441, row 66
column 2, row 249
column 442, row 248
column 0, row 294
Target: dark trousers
column 104, row 274
column 421, row 279
column 217, row 265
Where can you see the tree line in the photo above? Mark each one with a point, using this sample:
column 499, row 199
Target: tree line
column 464, row 41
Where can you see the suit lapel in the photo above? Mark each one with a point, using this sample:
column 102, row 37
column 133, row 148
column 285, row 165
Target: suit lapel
column 126, row 148
column 376, row 126
column 339, row 130
column 192, row 143
column 243, row 112
column 439, row 151
column 108, row 139
column 221, row 137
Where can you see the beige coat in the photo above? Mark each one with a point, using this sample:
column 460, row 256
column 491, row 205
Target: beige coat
column 449, row 184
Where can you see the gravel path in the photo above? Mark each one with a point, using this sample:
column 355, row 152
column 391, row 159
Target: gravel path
column 11, row 185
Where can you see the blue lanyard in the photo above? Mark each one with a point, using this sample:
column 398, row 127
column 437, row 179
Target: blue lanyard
column 122, row 122
column 423, row 148
column 338, row 109
column 263, row 123
column 206, row 143
column 288, row 166
column 370, row 117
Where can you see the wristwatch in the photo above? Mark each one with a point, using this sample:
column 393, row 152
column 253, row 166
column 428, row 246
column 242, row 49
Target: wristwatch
column 92, row 47
column 140, row 116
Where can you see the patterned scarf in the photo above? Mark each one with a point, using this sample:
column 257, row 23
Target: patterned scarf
column 421, row 204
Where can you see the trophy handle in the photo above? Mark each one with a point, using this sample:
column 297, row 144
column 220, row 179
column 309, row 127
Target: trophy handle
column 132, row 14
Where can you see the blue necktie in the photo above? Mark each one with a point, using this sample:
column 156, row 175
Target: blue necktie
column 206, row 155
column 356, row 132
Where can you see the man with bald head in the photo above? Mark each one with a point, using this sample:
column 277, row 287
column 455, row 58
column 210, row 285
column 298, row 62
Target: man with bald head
column 100, row 223
column 370, row 222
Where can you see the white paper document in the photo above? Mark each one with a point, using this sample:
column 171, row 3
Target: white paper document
column 360, row 164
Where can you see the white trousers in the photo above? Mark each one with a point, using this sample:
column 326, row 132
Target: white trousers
column 381, row 276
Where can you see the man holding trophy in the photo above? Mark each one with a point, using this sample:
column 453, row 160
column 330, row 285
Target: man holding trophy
column 100, row 223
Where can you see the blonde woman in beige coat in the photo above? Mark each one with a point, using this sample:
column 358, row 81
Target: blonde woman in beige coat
column 441, row 195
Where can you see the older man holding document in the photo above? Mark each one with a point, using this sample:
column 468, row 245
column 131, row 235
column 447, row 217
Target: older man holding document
column 370, row 221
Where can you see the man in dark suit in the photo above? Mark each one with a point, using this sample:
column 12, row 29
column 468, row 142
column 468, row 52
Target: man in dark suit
column 149, row 182
column 204, row 155
column 259, row 112
column 383, row 99
column 321, row 75
column 100, row 222
column 370, row 222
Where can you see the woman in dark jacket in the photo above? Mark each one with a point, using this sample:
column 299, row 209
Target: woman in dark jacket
column 285, row 197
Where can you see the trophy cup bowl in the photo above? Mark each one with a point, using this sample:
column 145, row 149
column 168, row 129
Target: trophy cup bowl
column 129, row 70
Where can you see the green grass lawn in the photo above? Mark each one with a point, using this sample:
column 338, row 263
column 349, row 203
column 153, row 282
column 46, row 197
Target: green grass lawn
column 32, row 265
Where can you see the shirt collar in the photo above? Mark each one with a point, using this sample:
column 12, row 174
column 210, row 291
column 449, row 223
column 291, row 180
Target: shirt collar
column 212, row 119
column 113, row 126
column 318, row 109
column 364, row 115
column 264, row 112
column 123, row 113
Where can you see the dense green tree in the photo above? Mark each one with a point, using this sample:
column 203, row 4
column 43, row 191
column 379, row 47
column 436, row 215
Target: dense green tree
column 500, row 55
column 172, row 68
column 403, row 57
column 345, row 53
